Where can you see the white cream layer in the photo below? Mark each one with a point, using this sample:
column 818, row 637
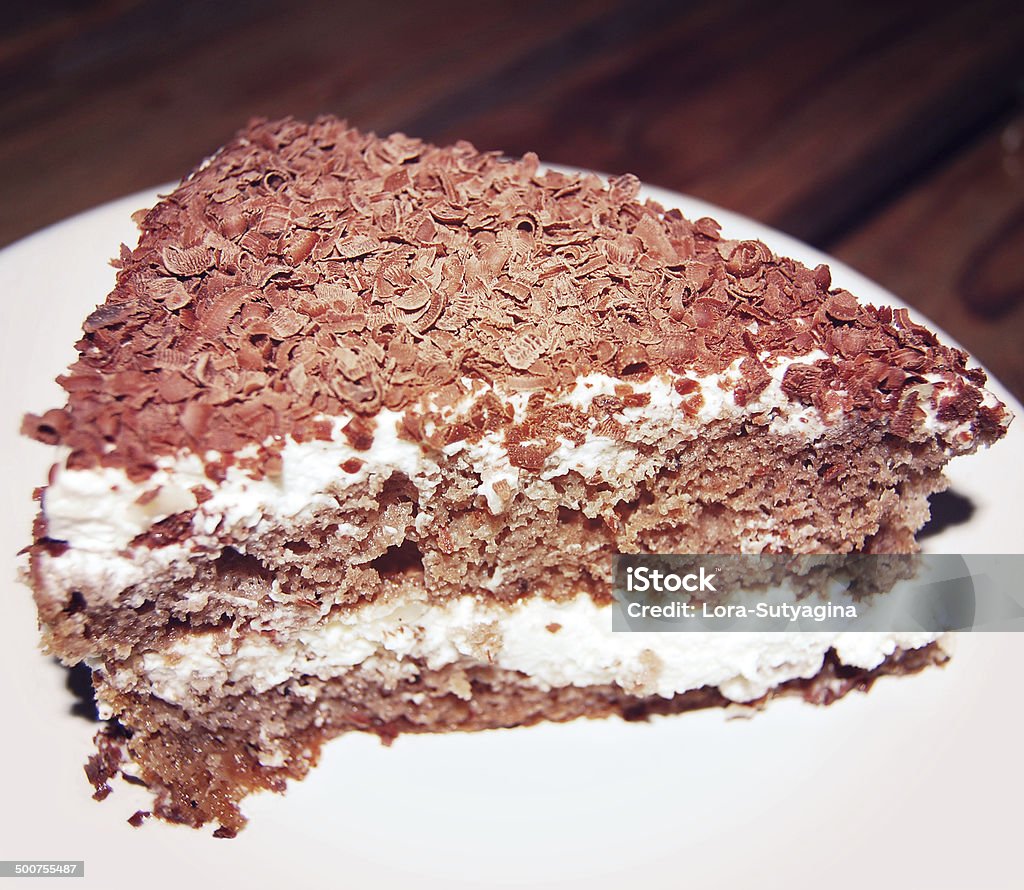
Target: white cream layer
column 554, row 644
column 98, row 512
column 102, row 510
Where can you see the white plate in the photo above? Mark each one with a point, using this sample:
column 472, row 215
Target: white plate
column 916, row 784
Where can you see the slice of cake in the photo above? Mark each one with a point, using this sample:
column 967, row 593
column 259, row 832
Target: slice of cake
column 352, row 443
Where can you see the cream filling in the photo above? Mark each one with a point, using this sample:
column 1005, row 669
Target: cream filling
column 554, row 644
column 99, row 512
column 102, row 510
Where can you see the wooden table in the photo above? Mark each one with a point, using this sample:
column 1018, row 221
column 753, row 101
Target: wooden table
column 889, row 134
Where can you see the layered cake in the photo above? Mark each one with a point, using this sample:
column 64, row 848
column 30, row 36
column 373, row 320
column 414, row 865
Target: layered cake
column 351, row 445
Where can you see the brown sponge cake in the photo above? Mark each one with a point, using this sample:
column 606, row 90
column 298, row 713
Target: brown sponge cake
column 354, row 438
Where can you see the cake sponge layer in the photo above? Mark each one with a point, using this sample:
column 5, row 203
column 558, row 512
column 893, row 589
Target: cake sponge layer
column 739, row 486
column 200, row 764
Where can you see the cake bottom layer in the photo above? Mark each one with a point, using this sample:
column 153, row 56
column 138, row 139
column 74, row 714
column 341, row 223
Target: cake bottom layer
column 201, row 764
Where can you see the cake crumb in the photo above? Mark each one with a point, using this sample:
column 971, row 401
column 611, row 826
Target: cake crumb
column 138, row 817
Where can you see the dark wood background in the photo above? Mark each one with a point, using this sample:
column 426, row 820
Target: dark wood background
column 890, row 134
